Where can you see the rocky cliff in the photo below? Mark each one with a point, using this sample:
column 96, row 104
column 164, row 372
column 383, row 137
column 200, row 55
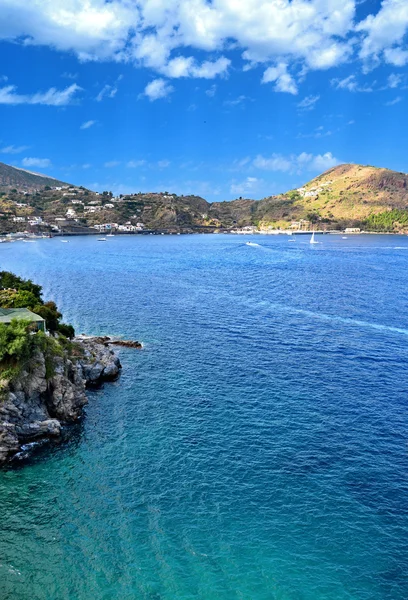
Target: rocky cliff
column 47, row 395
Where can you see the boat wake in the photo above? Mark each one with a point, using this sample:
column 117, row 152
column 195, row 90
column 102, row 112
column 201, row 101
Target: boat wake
column 333, row 318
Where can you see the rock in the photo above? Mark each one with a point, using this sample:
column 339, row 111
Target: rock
column 34, row 407
column 126, row 344
column 50, row 427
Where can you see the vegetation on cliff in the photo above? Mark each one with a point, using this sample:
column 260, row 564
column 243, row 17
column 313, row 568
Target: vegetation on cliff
column 19, row 340
column 16, row 292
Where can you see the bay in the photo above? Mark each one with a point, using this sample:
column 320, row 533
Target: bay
column 256, row 448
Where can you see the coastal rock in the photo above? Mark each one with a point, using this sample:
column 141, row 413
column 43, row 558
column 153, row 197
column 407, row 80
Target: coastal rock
column 37, row 404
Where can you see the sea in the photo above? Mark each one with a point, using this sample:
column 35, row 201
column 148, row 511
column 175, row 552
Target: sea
column 256, row 448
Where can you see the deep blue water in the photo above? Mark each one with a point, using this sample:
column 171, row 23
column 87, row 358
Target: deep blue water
column 255, row 449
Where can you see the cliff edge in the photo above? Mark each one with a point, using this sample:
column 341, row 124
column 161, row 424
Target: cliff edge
column 50, row 391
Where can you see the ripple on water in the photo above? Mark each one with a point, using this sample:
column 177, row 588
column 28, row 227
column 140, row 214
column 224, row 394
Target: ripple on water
column 256, row 447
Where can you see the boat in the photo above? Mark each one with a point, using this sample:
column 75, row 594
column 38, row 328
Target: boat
column 101, row 239
column 312, row 239
column 110, row 235
column 343, row 237
column 64, row 241
column 251, row 244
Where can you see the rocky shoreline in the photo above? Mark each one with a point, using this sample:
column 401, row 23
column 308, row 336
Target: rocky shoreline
column 45, row 397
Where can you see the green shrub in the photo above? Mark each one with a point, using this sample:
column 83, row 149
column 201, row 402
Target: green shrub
column 16, row 341
column 67, row 330
column 9, row 280
column 387, row 221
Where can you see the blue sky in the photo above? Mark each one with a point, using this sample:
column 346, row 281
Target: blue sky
column 223, row 99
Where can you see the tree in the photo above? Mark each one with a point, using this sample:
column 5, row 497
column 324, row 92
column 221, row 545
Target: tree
column 23, row 299
column 66, row 330
column 9, row 280
column 16, row 340
column 50, row 314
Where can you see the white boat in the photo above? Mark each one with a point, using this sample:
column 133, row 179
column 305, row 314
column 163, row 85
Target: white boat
column 251, row 244
column 101, row 239
column 344, row 237
column 110, row 235
column 312, row 239
column 64, row 241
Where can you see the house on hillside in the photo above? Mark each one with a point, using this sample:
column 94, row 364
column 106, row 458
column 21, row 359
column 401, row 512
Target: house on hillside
column 8, row 314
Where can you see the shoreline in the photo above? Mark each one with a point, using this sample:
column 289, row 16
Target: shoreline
column 38, row 406
column 31, row 237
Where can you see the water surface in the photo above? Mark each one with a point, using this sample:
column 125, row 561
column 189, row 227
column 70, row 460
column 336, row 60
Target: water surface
column 255, row 449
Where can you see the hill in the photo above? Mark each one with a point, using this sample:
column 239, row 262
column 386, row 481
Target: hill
column 348, row 195
column 22, row 180
column 355, row 192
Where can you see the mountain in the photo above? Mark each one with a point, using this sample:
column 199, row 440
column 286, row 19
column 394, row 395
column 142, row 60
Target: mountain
column 352, row 191
column 22, row 180
column 348, row 195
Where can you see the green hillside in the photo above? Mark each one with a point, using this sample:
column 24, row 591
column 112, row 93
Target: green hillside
column 348, row 195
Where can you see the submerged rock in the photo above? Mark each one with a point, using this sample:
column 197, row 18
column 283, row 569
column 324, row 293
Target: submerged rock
column 37, row 404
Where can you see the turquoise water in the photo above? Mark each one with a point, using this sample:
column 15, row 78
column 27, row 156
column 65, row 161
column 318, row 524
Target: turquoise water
column 256, row 448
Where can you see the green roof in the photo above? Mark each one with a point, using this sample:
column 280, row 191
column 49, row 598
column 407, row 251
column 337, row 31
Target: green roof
column 8, row 314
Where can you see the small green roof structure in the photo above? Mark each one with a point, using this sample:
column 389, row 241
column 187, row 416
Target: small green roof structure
column 8, row 314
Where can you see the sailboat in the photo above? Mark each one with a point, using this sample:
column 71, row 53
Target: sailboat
column 312, row 239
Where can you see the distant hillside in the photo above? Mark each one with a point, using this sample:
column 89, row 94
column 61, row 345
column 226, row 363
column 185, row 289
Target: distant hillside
column 22, row 180
column 374, row 198
column 356, row 192
column 348, row 195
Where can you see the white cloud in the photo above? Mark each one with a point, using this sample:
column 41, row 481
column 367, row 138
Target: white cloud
column 13, row 149
column 41, row 163
column 284, row 82
column 158, row 88
column 308, row 103
column 384, row 34
column 51, row 97
column 351, row 84
column 394, row 80
column 249, row 185
column 348, row 83
column 87, row 124
column 276, row 162
column 108, row 91
column 182, row 66
column 396, row 56
column 210, row 69
column 304, row 35
column 134, row 164
column 211, row 91
column 296, row 163
column 237, row 101
column 314, row 34
column 163, row 164
column 393, row 102
column 319, row 132
column 111, row 163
